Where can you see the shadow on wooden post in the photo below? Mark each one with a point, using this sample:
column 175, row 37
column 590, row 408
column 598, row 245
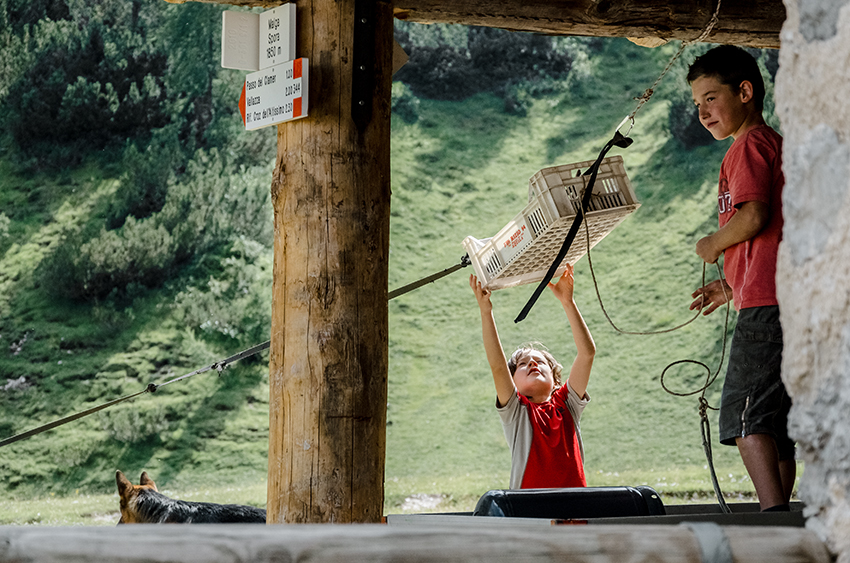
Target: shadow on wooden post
column 328, row 359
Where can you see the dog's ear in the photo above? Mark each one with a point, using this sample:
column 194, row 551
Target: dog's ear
column 124, row 484
column 147, row 481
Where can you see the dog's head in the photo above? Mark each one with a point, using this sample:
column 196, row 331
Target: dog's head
column 128, row 495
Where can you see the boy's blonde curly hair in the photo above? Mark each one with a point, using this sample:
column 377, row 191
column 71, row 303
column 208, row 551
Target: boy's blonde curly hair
column 554, row 364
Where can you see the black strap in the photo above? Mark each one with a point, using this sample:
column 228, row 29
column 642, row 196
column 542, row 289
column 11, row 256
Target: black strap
column 617, row 140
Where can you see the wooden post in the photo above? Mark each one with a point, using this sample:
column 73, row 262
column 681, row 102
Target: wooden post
column 331, row 196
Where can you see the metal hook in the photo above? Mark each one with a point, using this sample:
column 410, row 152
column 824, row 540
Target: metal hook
column 630, row 118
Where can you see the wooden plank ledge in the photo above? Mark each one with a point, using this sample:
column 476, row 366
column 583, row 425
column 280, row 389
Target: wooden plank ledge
column 353, row 543
column 771, row 519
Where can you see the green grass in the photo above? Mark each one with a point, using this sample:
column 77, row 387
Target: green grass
column 646, row 270
column 461, row 169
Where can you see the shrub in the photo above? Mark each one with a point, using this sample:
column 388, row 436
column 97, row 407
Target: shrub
column 209, row 206
column 72, row 452
column 15, row 56
column 213, row 204
column 685, row 125
column 134, row 423
column 80, row 78
column 59, row 272
column 146, row 177
column 81, row 268
column 453, row 62
column 233, row 307
column 518, row 100
column 404, row 103
column 88, row 85
column 141, row 252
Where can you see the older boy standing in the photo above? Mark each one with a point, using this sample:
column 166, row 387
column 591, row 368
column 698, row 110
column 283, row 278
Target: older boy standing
column 729, row 91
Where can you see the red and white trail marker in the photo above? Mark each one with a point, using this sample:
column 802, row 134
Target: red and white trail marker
column 275, row 95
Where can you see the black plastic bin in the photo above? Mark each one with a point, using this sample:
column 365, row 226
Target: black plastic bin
column 571, row 504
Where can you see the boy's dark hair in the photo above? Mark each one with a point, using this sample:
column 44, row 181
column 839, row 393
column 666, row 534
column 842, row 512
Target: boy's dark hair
column 730, row 65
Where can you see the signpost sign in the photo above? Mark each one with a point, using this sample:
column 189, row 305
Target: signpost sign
column 265, row 43
column 252, row 41
column 275, row 95
column 240, row 32
column 277, row 36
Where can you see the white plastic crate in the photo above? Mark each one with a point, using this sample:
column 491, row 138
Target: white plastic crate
column 524, row 249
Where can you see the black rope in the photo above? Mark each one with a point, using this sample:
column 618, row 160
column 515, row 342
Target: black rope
column 151, row 388
column 705, row 427
column 705, row 430
column 464, row 262
column 219, row 366
column 617, row 140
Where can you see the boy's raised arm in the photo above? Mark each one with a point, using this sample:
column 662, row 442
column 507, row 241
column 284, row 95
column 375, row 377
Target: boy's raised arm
column 492, row 345
column 585, row 347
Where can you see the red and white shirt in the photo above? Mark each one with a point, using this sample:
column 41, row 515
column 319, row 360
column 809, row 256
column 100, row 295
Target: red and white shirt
column 752, row 171
column 545, row 440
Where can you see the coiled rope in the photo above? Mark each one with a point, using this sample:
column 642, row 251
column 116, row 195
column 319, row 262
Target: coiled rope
column 704, row 406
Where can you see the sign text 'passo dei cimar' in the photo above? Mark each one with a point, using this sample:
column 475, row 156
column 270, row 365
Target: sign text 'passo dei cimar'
column 275, row 95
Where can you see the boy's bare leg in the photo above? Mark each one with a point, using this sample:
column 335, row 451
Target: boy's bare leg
column 761, row 459
column 788, row 472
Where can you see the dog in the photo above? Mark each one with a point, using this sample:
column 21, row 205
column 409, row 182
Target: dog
column 144, row 504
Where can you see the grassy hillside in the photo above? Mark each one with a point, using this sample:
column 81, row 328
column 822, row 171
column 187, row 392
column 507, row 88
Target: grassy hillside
column 460, row 169
column 467, row 166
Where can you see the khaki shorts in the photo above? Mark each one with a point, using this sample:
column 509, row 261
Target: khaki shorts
column 754, row 399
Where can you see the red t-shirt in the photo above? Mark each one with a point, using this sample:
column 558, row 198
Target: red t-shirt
column 554, row 460
column 752, row 171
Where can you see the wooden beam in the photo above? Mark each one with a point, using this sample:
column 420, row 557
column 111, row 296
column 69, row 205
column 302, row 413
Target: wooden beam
column 752, row 23
column 484, row 541
column 328, row 355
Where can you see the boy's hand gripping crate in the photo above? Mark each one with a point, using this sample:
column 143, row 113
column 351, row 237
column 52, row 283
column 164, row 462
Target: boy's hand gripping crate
column 524, row 249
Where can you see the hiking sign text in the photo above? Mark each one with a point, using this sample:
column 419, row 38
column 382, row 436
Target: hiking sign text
column 275, row 95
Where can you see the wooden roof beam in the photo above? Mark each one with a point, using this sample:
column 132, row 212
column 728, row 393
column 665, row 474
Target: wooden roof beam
column 753, row 23
column 750, row 23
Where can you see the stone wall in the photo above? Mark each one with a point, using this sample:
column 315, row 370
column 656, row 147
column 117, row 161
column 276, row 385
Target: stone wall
column 812, row 90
